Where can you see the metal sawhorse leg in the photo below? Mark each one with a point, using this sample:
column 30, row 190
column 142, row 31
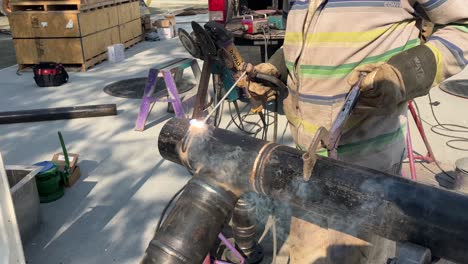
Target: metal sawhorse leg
column 170, row 71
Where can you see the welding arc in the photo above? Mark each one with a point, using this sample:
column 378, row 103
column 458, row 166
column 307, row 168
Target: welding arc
column 224, row 97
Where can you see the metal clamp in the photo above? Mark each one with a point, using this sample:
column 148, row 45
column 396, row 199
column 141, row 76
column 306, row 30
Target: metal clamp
column 320, row 140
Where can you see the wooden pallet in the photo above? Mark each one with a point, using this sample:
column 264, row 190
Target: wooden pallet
column 71, row 67
column 89, row 63
column 133, row 42
column 46, row 6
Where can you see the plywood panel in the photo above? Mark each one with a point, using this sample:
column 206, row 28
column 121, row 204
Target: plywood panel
column 130, row 30
column 44, row 25
column 128, row 12
column 98, row 20
column 97, row 43
column 33, row 51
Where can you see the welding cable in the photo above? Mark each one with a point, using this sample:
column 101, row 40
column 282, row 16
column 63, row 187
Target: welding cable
column 422, row 127
column 449, row 128
column 284, row 133
column 266, row 43
column 445, row 127
column 241, row 126
column 265, row 120
column 168, row 205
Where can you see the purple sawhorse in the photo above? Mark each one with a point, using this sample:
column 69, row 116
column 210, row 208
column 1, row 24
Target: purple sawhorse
column 231, row 248
column 173, row 67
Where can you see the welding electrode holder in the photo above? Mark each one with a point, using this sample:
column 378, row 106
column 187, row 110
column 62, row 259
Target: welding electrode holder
column 330, row 139
column 274, row 83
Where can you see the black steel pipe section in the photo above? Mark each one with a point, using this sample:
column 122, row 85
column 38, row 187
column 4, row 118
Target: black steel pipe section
column 245, row 226
column 351, row 198
column 192, row 227
column 49, row 114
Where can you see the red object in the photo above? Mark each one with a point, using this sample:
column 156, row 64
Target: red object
column 248, row 26
column 429, row 158
column 409, row 145
column 46, row 71
column 217, row 10
column 253, row 25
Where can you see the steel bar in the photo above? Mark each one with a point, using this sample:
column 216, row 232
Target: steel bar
column 224, row 97
column 202, row 93
column 49, row 114
column 345, row 197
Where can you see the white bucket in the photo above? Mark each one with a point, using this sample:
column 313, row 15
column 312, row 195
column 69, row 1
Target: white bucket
column 166, row 33
column 116, row 53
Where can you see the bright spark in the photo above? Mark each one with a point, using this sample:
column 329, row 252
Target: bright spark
column 198, row 123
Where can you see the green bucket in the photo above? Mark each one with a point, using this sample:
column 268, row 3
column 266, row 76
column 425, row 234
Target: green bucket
column 49, row 182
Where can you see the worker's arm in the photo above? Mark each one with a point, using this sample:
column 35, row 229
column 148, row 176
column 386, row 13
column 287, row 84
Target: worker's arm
column 412, row 73
column 277, row 59
column 449, row 42
column 275, row 66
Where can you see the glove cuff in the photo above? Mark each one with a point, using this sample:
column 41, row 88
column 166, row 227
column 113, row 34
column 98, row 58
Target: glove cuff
column 277, row 60
column 418, row 69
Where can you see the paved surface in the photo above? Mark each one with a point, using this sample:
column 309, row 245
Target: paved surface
column 7, row 51
column 110, row 214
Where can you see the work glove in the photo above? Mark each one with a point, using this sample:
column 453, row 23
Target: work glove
column 258, row 90
column 404, row 77
column 381, row 90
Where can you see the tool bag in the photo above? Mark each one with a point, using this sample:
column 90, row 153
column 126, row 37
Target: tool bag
column 49, row 74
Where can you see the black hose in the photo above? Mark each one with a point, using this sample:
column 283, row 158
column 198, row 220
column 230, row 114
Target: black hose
column 279, row 85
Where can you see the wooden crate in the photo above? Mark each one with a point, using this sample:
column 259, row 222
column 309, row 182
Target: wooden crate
column 63, row 5
column 62, row 24
column 73, row 37
column 130, row 31
column 83, row 52
column 128, row 11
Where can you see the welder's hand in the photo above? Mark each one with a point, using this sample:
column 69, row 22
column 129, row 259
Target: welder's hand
column 258, row 90
column 381, row 90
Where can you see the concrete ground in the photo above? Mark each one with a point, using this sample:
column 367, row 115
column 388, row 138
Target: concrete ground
column 109, row 216
column 7, row 51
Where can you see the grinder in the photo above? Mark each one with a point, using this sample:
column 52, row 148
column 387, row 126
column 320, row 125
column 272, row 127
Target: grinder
column 231, row 57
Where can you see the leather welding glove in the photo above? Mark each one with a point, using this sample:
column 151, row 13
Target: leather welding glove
column 259, row 90
column 404, row 77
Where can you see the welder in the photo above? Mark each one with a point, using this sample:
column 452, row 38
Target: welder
column 327, row 45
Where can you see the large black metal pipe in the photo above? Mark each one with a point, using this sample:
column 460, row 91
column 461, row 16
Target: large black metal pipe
column 187, row 235
column 49, row 114
column 353, row 199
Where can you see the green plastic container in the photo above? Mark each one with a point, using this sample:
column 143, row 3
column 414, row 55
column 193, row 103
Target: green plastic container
column 49, row 182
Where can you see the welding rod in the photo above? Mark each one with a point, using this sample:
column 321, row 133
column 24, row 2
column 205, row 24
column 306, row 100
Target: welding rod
column 224, row 97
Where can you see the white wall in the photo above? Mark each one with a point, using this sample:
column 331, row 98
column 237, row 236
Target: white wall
column 11, row 250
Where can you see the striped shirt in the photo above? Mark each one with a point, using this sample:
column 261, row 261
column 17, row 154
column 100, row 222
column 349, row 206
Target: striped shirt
column 326, row 40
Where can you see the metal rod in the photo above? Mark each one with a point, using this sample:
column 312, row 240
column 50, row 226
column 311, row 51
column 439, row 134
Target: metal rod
column 202, row 92
column 65, row 152
column 409, row 146
column 238, row 112
column 231, row 248
column 429, row 158
column 49, row 114
column 224, row 97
